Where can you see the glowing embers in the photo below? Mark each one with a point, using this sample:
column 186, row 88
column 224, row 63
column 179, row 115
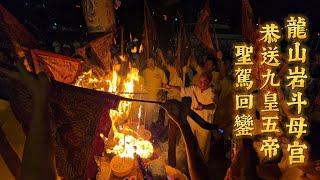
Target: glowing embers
column 127, row 146
column 123, row 140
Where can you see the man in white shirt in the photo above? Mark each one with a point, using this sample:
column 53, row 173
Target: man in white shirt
column 203, row 104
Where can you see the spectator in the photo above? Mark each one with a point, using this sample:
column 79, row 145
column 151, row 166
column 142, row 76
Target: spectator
column 154, row 79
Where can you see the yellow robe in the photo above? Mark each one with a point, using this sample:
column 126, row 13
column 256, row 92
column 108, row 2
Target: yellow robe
column 153, row 80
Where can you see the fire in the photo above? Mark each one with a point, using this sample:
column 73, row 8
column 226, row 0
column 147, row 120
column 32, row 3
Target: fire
column 123, row 58
column 140, row 48
column 134, row 49
column 128, row 142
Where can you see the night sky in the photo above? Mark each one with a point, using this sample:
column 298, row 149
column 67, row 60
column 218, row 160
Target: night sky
column 62, row 19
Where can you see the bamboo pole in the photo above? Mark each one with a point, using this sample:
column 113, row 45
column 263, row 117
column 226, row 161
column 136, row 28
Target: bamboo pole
column 122, row 41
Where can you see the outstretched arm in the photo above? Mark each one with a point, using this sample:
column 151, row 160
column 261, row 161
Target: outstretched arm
column 38, row 161
column 211, row 106
column 196, row 165
column 38, row 157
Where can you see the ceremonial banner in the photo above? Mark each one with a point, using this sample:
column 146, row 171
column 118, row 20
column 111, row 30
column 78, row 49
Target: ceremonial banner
column 15, row 30
column 247, row 26
column 149, row 37
column 202, row 27
column 77, row 117
column 59, row 67
column 183, row 49
column 99, row 15
column 100, row 51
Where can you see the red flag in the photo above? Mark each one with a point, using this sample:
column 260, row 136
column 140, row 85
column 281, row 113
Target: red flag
column 60, row 68
column 202, row 27
column 251, row 36
column 248, row 27
column 183, row 48
column 15, row 30
column 98, row 51
column 79, row 116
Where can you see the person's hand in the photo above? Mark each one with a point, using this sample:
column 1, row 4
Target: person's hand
column 199, row 107
column 167, row 86
column 38, row 84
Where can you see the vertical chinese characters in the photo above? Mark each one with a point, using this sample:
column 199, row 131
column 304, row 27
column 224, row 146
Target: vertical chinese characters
column 296, row 29
column 271, row 36
column 244, row 121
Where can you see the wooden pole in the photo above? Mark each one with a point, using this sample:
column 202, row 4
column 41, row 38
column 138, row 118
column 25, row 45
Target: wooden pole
column 146, row 31
column 122, row 41
column 172, row 141
column 9, row 156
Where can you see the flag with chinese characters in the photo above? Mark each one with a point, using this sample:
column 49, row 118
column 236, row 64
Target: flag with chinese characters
column 59, row 67
column 15, row 30
column 201, row 29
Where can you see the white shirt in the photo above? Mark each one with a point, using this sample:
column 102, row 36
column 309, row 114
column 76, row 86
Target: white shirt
column 206, row 97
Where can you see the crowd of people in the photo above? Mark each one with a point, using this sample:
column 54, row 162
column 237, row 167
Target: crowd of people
column 203, row 84
column 211, row 90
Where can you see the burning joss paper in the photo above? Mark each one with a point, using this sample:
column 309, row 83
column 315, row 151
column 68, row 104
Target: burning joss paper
column 127, row 146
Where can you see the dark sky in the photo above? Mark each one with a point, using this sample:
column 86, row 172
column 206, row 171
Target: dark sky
column 40, row 15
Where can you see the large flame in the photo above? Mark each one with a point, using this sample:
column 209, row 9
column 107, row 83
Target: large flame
column 128, row 142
